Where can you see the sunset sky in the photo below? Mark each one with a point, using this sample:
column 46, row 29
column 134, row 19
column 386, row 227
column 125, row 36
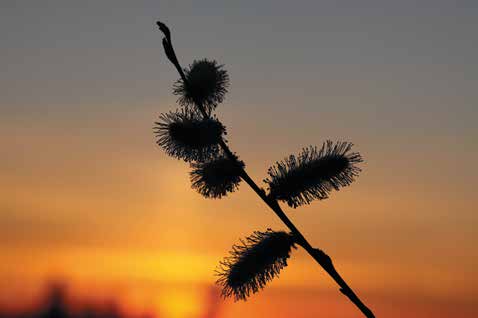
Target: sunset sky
column 89, row 199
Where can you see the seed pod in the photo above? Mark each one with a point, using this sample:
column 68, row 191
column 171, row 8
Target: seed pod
column 254, row 262
column 186, row 135
column 217, row 177
column 206, row 84
column 313, row 174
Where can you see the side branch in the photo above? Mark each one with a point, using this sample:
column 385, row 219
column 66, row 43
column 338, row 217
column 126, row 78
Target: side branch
column 320, row 257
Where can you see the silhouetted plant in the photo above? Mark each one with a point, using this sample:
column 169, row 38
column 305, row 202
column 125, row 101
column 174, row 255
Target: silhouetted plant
column 193, row 135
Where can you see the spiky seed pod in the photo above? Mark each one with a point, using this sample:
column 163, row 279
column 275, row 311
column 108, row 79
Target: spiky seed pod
column 207, row 84
column 314, row 173
column 187, row 135
column 217, row 177
column 254, row 262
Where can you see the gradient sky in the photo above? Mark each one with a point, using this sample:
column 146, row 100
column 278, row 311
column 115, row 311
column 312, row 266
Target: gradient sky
column 86, row 195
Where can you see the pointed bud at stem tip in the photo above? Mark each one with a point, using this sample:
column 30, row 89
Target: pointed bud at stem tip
column 254, row 262
column 164, row 28
column 314, row 173
column 215, row 178
column 186, row 135
column 206, row 84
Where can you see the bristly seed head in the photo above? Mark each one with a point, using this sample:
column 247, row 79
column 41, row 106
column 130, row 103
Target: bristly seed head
column 314, row 173
column 254, row 262
column 215, row 178
column 184, row 134
column 207, row 84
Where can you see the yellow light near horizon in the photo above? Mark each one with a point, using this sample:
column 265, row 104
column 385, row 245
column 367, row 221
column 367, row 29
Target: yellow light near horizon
column 185, row 266
column 180, row 303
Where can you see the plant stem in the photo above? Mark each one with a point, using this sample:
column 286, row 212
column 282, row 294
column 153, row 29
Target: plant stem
column 320, row 256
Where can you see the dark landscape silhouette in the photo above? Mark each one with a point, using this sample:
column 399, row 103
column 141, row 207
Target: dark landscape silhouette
column 57, row 302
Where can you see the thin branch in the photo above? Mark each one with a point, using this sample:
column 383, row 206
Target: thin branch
column 320, row 257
